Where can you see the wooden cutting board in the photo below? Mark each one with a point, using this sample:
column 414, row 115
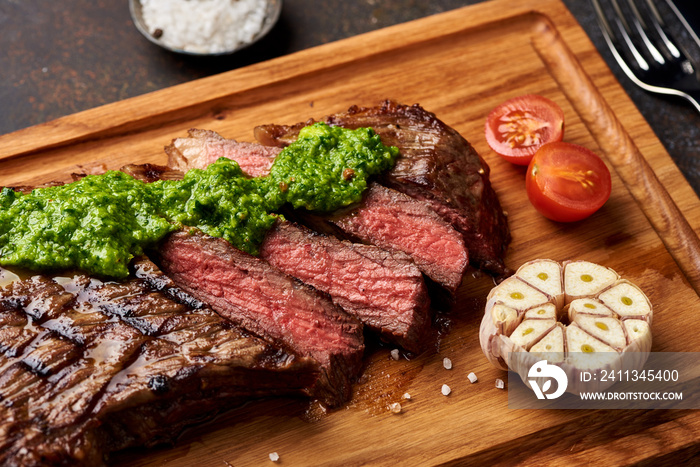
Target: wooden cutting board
column 459, row 65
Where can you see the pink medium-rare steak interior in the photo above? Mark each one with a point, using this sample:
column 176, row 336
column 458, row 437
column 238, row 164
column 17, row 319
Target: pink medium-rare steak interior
column 268, row 303
column 204, row 147
column 392, row 220
column 384, row 290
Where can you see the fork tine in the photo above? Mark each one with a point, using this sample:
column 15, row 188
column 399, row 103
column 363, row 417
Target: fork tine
column 614, row 43
column 658, row 23
column 641, row 27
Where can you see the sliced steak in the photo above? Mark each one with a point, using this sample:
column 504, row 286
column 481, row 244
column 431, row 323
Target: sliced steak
column 385, row 217
column 88, row 367
column 436, row 165
column 396, row 222
column 269, row 303
column 204, row 147
column 384, row 290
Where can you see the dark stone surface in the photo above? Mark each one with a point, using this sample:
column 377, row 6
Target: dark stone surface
column 58, row 58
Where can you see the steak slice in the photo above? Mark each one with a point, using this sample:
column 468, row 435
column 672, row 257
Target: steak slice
column 383, row 218
column 384, row 290
column 263, row 300
column 436, row 165
column 204, row 147
column 88, row 367
column 397, row 222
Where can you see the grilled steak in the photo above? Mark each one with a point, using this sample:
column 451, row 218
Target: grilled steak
column 248, row 291
column 385, row 218
column 383, row 290
column 436, row 165
column 88, row 367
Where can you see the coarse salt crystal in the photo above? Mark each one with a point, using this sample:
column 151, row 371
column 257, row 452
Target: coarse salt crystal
column 500, row 384
column 395, row 407
column 406, row 396
column 446, row 390
column 395, row 354
column 274, row 457
column 447, row 363
column 472, row 377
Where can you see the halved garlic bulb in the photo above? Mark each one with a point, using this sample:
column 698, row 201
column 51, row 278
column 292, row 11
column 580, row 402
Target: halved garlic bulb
column 607, row 316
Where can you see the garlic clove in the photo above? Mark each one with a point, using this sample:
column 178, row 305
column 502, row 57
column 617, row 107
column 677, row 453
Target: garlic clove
column 530, row 331
column 546, row 276
column 636, row 330
column 587, row 306
column 605, row 328
column 578, row 340
column 505, row 318
column 544, row 311
column 551, row 346
column 580, row 346
column 516, row 294
column 625, row 299
column 586, row 279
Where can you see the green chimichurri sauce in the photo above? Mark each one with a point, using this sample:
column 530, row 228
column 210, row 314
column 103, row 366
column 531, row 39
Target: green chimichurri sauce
column 328, row 167
column 99, row 223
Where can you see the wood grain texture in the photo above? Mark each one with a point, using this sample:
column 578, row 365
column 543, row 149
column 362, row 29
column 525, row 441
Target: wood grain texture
column 459, row 65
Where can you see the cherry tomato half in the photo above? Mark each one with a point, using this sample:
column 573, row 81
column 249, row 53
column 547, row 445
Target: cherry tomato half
column 516, row 129
column 567, row 182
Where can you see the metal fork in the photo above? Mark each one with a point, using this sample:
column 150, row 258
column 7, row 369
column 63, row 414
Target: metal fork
column 646, row 52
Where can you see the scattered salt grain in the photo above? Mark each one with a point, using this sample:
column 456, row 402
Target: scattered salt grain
column 446, row 390
column 395, row 354
column 395, row 407
column 406, row 396
column 472, row 377
column 447, row 363
column 204, row 26
column 500, row 384
column 274, row 457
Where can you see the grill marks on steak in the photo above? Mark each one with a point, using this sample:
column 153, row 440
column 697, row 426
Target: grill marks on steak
column 385, row 218
column 436, row 165
column 384, row 290
column 88, row 367
column 269, row 303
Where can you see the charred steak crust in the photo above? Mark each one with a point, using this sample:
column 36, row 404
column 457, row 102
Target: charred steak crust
column 269, row 303
column 436, row 165
column 383, row 289
column 88, row 367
